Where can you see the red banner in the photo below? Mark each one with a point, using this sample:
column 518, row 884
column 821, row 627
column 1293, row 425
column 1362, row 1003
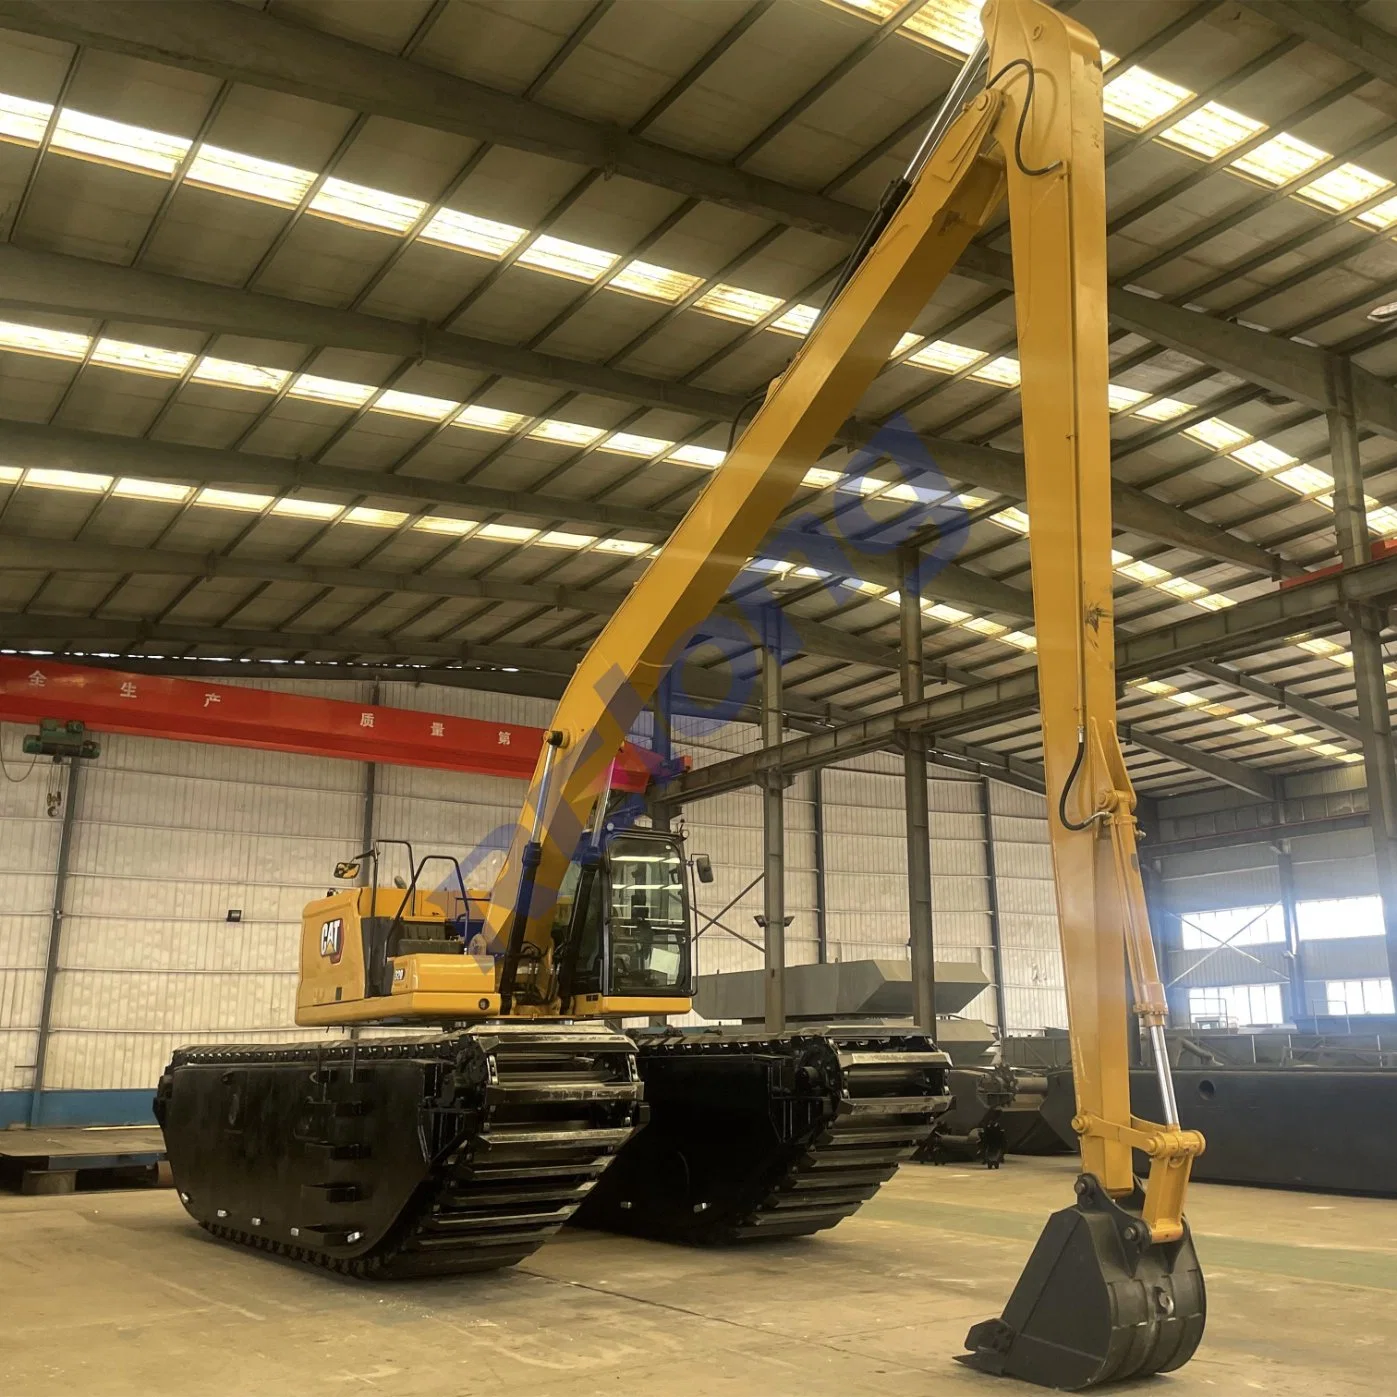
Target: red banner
column 190, row 710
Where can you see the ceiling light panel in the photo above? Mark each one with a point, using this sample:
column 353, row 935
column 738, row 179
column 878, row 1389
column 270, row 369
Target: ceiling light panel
column 506, row 533
column 628, row 444
column 489, row 419
column 307, row 509
column 703, row 456
column 654, row 283
column 374, row 518
column 799, row 320
column 953, row 25
column 227, row 373
column 82, row 481
column 1003, row 372
column 467, row 233
column 1280, row 160
column 365, row 207
column 232, row 499
column 315, row 389
column 562, row 258
column 1163, row 410
column 560, row 538
column 51, row 344
column 116, row 143
column 161, row 491
column 441, row 524
column 23, row 122
column 733, row 303
column 415, row 405
column 946, row 357
column 1341, row 189
column 141, row 358
column 1211, row 131
column 1139, row 98
column 566, row 433
column 235, row 173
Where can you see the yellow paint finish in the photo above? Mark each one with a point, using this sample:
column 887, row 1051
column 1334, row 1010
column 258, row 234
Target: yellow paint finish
column 595, row 1005
column 470, row 977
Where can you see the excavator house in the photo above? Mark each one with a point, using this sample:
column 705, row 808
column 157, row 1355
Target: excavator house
column 500, row 1102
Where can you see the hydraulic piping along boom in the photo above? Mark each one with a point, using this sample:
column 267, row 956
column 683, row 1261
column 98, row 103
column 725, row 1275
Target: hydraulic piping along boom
column 1032, row 130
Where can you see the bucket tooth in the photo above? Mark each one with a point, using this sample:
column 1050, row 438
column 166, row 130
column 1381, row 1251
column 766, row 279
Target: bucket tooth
column 1097, row 1302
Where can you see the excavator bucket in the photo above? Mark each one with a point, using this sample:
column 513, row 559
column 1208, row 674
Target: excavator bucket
column 1098, row 1302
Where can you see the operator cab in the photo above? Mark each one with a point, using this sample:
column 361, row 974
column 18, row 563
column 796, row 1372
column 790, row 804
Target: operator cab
column 622, row 932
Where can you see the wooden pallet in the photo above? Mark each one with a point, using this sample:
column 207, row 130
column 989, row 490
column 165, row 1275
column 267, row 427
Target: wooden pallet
column 66, row 1160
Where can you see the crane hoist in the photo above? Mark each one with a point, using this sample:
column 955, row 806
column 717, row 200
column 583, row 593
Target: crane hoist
column 505, row 1103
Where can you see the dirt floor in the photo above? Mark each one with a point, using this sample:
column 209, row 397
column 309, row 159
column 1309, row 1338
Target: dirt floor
column 110, row 1294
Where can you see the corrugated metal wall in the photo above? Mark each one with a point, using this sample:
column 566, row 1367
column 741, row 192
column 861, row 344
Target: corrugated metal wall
column 1034, row 996
column 28, row 857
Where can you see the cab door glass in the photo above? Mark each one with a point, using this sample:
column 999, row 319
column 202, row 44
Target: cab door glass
column 647, row 916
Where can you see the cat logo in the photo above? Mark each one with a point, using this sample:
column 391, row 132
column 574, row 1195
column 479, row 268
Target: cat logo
column 332, row 940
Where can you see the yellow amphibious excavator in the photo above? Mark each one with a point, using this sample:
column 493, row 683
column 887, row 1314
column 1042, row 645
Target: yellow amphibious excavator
column 465, row 1148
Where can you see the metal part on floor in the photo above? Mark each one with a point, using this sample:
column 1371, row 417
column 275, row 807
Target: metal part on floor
column 871, row 991
column 71, row 1159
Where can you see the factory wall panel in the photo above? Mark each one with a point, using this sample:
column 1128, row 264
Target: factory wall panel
column 28, row 856
column 1034, row 997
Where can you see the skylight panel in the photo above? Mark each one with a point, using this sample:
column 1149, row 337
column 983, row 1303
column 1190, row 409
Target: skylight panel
column 374, row 518
column 1122, row 399
column 54, row 344
column 1262, row 456
column 904, row 344
column 161, row 491
column 1022, row 639
column 947, row 24
column 330, row 390
column 441, row 524
column 560, row 538
column 232, row 499
column 628, row 444
column 566, row 433
column 799, row 320
column 1280, row 160
column 1146, row 573
column 1319, row 646
column 228, row 373
column 506, row 533
column 1211, row 131
column 1305, row 480
column 1215, row 433
column 704, row 456
column 981, row 626
column 365, row 207
column 1343, row 188
column 307, row 509
column 821, row 477
column 1011, row 518
column 415, row 405
column 939, row 611
column 83, row 481
column 1327, row 749
column 946, row 357
column 1214, row 601
column 1183, row 589
column 1155, row 687
column 1163, row 410
column 116, row 143
column 466, row 232
column 141, row 358
column 23, row 122
column 628, row 547
column 655, row 283
column 1384, row 215
column 1002, row 372
column 1383, row 520
column 236, row 173
column 563, row 258
column 489, row 419
column 733, row 303
column 10, row 475
column 1140, row 98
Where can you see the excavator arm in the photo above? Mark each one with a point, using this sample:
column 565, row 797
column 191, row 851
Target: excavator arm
column 1113, row 1288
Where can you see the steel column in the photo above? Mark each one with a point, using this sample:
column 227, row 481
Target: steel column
column 992, row 897
column 55, row 938
column 821, row 894
column 1285, row 877
column 921, row 937
column 1365, row 625
column 773, row 918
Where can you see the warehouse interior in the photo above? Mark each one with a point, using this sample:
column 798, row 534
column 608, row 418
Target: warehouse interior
column 357, row 359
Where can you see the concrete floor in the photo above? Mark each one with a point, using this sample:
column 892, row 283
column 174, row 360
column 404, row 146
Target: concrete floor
column 120, row 1293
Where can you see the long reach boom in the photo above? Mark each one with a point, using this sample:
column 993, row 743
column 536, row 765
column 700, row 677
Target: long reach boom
column 1113, row 1289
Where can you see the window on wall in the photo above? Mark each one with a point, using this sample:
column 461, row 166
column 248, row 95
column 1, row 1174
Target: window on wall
column 1247, row 1006
column 1356, row 997
column 1333, row 917
column 1232, row 926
